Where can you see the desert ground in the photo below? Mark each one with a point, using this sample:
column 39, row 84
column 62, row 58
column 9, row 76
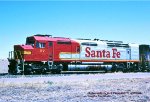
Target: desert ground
column 110, row 87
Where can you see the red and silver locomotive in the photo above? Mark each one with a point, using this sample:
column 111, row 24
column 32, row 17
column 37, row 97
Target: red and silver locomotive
column 44, row 53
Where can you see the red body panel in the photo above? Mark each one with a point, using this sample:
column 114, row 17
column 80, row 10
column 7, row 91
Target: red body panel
column 48, row 52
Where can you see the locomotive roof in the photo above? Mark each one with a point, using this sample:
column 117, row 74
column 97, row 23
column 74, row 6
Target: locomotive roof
column 99, row 42
column 45, row 38
column 90, row 41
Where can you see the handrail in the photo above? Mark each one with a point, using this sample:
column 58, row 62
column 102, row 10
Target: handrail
column 12, row 55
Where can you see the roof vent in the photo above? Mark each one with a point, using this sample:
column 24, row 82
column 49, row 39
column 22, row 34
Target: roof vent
column 43, row 35
column 83, row 39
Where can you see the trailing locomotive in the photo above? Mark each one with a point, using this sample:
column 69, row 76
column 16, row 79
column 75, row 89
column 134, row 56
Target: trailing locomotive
column 44, row 53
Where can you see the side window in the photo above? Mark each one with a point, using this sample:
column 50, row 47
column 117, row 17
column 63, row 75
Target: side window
column 40, row 45
column 50, row 43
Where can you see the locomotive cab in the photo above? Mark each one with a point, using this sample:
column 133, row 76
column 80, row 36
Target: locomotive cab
column 35, row 56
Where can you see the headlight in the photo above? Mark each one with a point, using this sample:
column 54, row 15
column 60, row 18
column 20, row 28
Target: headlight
column 26, row 52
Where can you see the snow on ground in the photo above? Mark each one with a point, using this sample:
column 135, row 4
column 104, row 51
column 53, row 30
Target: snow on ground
column 110, row 87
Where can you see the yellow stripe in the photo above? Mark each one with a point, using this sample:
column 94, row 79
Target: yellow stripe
column 103, row 60
column 69, row 53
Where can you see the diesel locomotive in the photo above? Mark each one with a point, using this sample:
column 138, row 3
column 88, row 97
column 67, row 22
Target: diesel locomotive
column 44, row 53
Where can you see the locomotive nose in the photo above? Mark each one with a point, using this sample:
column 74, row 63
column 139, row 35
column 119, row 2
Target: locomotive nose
column 21, row 50
column 22, row 47
column 26, row 47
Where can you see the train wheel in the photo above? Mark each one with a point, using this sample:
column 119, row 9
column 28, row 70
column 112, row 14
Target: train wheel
column 44, row 71
column 114, row 67
column 106, row 70
column 65, row 67
column 121, row 67
column 124, row 70
column 56, row 71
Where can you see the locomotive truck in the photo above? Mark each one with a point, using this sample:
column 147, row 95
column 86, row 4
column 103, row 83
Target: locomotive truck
column 44, row 53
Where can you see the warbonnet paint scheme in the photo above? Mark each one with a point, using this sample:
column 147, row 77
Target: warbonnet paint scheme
column 44, row 53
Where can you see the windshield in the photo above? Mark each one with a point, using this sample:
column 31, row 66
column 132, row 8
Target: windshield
column 30, row 41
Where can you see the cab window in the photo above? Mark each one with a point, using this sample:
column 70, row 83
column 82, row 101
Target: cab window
column 40, row 45
column 30, row 41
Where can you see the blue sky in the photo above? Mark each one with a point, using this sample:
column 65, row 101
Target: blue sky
column 125, row 21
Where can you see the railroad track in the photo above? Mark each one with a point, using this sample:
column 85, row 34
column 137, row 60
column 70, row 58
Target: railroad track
column 2, row 74
column 81, row 72
column 63, row 73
